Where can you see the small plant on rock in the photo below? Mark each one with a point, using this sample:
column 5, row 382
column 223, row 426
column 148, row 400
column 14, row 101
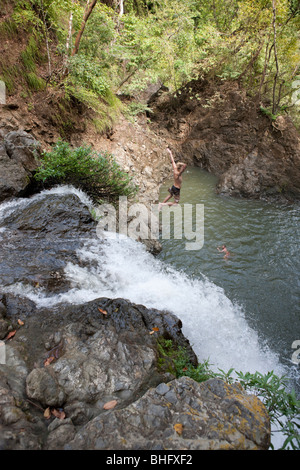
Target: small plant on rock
column 97, row 174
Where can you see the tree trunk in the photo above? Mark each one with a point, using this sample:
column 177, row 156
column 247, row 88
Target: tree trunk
column 88, row 10
column 121, row 4
column 66, row 57
column 274, row 107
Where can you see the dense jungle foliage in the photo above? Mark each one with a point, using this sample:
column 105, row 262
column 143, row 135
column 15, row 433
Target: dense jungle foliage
column 97, row 50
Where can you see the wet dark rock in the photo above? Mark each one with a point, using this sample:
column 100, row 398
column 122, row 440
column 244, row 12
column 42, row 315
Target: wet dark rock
column 5, row 325
column 40, row 237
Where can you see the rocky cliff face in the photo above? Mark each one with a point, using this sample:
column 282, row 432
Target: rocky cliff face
column 136, row 148
column 17, row 163
column 218, row 127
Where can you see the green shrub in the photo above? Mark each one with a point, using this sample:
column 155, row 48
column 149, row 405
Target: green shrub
column 99, row 175
column 87, row 73
column 283, row 406
column 176, row 361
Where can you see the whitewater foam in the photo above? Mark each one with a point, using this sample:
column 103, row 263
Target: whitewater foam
column 121, row 267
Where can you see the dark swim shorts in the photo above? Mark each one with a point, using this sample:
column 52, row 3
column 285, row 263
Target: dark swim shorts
column 174, row 192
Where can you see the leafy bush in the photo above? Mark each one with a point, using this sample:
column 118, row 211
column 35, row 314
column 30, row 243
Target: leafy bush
column 99, row 175
column 283, row 407
column 87, row 72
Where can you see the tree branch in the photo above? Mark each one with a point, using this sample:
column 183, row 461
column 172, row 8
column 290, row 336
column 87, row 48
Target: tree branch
column 276, row 58
column 88, row 11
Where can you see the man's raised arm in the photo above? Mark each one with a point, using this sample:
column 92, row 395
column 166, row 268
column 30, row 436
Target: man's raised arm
column 172, row 159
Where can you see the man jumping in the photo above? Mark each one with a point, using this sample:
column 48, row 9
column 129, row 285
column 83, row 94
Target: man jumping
column 178, row 169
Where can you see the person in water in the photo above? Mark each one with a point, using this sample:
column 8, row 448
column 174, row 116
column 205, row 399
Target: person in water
column 224, row 250
column 178, row 169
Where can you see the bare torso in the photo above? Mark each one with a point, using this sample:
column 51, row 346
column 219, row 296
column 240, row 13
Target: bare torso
column 177, row 179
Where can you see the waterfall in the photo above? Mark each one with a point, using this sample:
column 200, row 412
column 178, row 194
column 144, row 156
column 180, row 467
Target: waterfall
column 121, row 267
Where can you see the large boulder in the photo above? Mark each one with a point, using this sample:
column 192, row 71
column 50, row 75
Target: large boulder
column 18, row 152
column 181, row 414
column 88, row 377
column 40, row 236
column 77, row 358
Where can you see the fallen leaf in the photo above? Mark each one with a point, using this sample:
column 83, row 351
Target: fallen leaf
column 155, row 328
column 48, row 360
column 58, row 413
column 47, row 413
column 20, row 322
column 110, row 404
column 178, row 428
column 151, row 332
column 10, row 335
column 102, row 311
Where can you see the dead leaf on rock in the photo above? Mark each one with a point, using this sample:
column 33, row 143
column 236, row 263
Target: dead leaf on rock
column 154, row 329
column 110, row 404
column 10, row 335
column 48, row 360
column 20, row 322
column 104, row 312
column 178, row 428
column 47, row 413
